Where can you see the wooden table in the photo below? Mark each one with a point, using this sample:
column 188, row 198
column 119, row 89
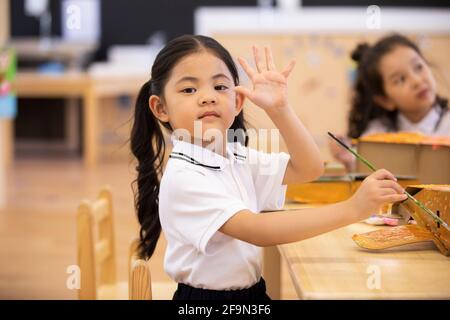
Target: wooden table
column 89, row 88
column 332, row 266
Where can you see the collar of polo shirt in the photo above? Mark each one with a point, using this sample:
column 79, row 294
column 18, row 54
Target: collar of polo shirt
column 427, row 125
column 205, row 157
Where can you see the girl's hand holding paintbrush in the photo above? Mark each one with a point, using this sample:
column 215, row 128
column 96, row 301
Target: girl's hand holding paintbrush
column 376, row 190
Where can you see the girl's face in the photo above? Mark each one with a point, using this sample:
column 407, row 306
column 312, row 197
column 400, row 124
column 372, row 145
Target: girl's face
column 408, row 83
column 200, row 90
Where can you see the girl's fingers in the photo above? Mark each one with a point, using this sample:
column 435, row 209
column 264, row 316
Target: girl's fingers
column 269, row 59
column 258, row 63
column 394, row 198
column 391, row 185
column 388, row 191
column 245, row 91
column 383, row 174
column 248, row 70
column 288, row 69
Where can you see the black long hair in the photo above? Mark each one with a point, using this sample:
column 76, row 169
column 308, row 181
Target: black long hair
column 147, row 140
column 369, row 83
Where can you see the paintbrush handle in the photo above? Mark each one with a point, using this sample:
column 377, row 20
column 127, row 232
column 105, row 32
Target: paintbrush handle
column 361, row 158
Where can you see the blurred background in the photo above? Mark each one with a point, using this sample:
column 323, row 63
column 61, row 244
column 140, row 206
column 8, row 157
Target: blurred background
column 73, row 68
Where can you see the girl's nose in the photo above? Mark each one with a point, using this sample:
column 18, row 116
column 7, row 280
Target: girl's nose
column 416, row 80
column 208, row 100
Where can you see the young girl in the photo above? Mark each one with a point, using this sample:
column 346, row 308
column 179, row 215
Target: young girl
column 395, row 91
column 208, row 202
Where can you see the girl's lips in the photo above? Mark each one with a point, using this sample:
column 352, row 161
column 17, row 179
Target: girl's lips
column 423, row 93
column 210, row 117
column 209, row 114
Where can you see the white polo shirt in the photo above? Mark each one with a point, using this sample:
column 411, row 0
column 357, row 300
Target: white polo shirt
column 200, row 190
column 436, row 123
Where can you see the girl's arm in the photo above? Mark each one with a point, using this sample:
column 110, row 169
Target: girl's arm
column 306, row 163
column 270, row 93
column 275, row 228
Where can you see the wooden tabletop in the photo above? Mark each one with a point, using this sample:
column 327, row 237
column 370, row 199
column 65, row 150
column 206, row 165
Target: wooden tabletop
column 33, row 84
column 332, row 266
column 30, row 84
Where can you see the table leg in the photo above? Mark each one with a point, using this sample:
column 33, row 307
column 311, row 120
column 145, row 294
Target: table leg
column 90, row 116
column 71, row 128
column 7, row 137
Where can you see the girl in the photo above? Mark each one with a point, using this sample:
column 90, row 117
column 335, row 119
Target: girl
column 208, row 201
column 395, row 91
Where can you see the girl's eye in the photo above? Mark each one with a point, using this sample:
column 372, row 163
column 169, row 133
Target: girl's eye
column 419, row 67
column 399, row 80
column 188, row 90
column 221, row 87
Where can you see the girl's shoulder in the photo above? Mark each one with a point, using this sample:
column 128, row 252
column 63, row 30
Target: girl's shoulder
column 443, row 128
column 247, row 152
column 182, row 168
column 179, row 178
column 193, row 157
column 375, row 126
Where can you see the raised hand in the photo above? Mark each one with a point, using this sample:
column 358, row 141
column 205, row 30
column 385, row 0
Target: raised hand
column 269, row 85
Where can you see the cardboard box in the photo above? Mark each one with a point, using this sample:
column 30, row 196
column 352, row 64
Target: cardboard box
column 427, row 158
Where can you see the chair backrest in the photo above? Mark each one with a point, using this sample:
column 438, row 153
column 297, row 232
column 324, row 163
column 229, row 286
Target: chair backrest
column 140, row 281
column 96, row 244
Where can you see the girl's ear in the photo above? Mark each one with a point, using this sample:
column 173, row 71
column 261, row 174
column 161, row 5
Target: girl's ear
column 158, row 108
column 384, row 102
column 239, row 103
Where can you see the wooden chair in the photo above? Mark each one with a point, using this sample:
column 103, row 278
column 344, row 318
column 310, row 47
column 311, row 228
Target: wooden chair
column 140, row 283
column 96, row 250
column 97, row 258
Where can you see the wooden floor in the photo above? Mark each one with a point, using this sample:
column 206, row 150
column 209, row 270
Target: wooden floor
column 37, row 227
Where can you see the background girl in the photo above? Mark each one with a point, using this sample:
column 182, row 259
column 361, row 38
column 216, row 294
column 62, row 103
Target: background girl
column 395, row 91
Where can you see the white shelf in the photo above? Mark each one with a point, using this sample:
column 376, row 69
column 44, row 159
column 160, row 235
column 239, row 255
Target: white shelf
column 208, row 21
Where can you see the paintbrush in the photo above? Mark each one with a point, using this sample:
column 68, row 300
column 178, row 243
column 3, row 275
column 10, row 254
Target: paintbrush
column 372, row 167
